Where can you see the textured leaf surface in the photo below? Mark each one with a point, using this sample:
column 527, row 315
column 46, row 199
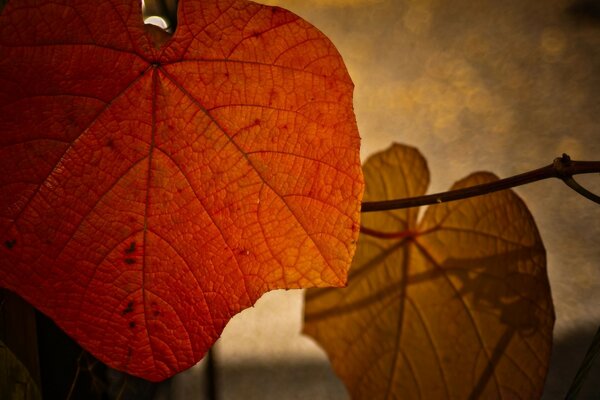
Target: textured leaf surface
column 454, row 306
column 154, row 186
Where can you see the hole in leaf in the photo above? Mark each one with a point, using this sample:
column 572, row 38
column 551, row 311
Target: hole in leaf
column 157, row 21
column 160, row 13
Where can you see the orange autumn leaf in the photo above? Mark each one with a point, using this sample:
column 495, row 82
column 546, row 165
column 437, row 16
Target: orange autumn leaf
column 454, row 306
column 153, row 186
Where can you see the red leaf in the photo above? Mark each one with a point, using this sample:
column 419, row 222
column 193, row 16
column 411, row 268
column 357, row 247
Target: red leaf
column 150, row 192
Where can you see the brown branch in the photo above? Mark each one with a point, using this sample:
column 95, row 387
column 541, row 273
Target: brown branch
column 563, row 168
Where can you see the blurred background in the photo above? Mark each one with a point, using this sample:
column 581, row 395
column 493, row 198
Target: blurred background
column 502, row 86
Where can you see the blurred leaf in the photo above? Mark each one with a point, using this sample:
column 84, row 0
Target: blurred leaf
column 15, row 381
column 454, row 306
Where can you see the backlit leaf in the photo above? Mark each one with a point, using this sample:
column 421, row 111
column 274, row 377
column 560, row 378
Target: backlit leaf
column 455, row 306
column 154, row 186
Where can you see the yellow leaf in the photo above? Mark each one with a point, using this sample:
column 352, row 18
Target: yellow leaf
column 455, row 306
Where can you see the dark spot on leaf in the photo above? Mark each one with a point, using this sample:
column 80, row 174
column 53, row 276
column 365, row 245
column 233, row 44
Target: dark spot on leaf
column 214, row 34
column 130, row 249
column 110, row 144
column 132, row 324
column 154, row 307
column 129, row 261
column 10, row 243
column 128, row 309
column 272, row 98
column 257, row 121
column 244, row 252
column 255, row 34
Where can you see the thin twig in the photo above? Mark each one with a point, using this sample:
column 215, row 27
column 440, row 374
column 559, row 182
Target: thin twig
column 563, row 168
column 74, row 383
column 122, row 388
column 572, row 183
column 585, row 367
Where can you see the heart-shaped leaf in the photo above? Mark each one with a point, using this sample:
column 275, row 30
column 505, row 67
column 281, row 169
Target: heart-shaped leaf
column 455, row 306
column 154, row 186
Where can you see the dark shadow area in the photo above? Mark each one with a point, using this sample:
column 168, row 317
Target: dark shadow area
column 301, row 379
column 61, row 361
column 586, row 11
column 69, row 372
column 58, row 365
column 567, row 354
column 18, row 331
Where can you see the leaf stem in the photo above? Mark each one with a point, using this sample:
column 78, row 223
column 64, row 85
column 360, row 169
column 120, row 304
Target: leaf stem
column 562, row 167
column 387, row 235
